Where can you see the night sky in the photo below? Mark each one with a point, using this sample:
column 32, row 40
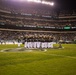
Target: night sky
column 65, row 4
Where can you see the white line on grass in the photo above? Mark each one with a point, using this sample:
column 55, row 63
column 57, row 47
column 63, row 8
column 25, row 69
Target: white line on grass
column 3, row 50
column 62, row 56
column 15, row 49
column 47, row 54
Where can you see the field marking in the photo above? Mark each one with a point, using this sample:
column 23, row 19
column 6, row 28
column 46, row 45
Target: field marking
column 62, row 56
column 15, row 49
column 5, row 49
column 46, row 54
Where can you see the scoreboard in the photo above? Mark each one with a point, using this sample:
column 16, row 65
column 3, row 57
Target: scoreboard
column 67, row 27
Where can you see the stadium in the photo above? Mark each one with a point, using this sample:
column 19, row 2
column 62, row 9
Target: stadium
column 37, row 37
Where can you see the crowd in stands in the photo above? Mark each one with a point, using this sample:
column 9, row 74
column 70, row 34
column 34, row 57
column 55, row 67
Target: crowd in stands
column 34, row 9
column 27, row 8
column 35, row 14
column 13, row 19
column 36, row 36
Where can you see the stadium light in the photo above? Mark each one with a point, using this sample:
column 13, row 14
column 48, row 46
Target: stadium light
column 43, row 2
column 18, row 0
column 52, row 4
column 37, row 1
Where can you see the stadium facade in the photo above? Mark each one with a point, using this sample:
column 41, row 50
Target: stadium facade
column 36, row 22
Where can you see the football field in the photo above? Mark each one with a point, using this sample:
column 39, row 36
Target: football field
column 37, row 62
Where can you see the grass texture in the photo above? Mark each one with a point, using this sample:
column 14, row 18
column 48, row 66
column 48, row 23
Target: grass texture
column 51, row 62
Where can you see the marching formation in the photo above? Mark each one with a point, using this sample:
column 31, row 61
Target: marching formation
column 39, row 44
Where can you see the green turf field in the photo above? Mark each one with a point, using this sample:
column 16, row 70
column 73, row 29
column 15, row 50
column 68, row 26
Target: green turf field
column 51, row 62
